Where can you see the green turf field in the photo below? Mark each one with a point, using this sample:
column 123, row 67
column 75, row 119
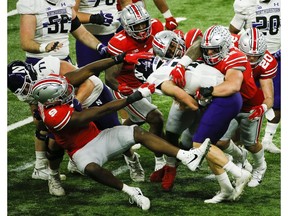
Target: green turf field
column 87, row 198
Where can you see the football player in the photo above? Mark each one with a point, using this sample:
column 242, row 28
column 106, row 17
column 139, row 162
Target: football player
column 167, row 45
column 137, row 36
column 249, row 120
column 170, row 21
column 75, row 132
column 45, row 27
column 92, row 92
column 102, row 20
column 268, row 21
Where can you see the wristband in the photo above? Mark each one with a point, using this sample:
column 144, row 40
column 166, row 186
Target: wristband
column 134, row 97
column 167, row 14
column 42, row 47
column 185, row 61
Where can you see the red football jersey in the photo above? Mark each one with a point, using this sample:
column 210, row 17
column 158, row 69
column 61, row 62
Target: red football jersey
column 267, row 68
column 70, row 139
column 191, row 36
column 237, row 59
column 122, row 42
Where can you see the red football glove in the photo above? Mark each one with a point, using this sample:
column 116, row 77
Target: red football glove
column 178, row 75
column 171, row 23
column 257, row 112
column 124, row 89
column 133, row 57
column 147, row 89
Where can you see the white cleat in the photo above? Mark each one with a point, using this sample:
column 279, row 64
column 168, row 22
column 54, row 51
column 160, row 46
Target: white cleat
column 40, row 173
column 140, row 199
column 196, row 156
column 220, row 197
column 270, row 147
column 72, row 168
column 55, row 187
column 137, row 173
column 257, row 175
column 240, row 183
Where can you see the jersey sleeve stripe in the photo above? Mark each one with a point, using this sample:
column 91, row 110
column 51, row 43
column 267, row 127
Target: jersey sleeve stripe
column 63, row 122
column 114, row 50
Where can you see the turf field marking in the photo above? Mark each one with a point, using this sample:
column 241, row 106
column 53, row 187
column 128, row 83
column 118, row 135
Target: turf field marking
column 12, row 13
column 120, row 170
column 23, row 167
column 20, row 123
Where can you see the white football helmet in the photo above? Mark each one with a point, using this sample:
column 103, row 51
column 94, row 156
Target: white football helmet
column 167, row 44
column 252, row 43
column 53, row 90
column 131, row 16
column 217, row 38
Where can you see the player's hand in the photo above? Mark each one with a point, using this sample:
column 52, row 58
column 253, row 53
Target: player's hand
column 101, row 18
column 134, row 57
column 55, row 45
column 77, row 105
column 204, row 92
column 146, row 89
column 124, row 89
column 102, row 49
column 171, row 23
column 257, row 112
column 178, row 75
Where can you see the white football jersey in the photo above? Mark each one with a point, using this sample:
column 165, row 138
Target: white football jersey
column 245, row 7
column 94, row 7
column 268, row 21
column 53, row 23
column 197, row 75
column 51, row 65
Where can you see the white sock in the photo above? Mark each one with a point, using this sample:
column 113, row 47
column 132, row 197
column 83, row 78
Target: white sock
column 41, row 159
column 270, row 131
column 258, row 158
column 224, row 182
column 127, row 189
column 233, row 169
column 171, row 161
column 159, row 162
column 234, row 150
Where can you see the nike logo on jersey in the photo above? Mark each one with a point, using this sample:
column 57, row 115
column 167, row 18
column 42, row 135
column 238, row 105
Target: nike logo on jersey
column 172, row 23
column 195, row 157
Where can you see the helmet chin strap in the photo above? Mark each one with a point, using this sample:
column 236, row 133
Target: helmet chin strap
column 53, row 2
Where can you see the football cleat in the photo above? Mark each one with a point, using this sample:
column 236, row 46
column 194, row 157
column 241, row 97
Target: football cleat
column 270, row 147
column 40, row 173
column 240, row 183
column 168, row 178
column 157, row 175
column 221, row 196
column 72, row 168
column 140, row 199
column 195, row 156
column 54, row 184
column 257, row 175
column 137, row 173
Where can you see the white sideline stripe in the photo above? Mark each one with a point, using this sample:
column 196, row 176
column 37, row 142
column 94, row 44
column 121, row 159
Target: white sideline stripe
column 20, row 123
column 23, row 167
column 12, row 13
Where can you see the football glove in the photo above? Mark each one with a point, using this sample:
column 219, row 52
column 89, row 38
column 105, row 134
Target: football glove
column 101, row 18
column 257, row 112
column 124, row 89
column 171, row 23
column 178, row 75
column 144, row 90
column 102, row 49
column 133, row 57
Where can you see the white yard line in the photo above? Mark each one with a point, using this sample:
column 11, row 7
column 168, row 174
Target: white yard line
column 12, row 13
column 20, row 123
